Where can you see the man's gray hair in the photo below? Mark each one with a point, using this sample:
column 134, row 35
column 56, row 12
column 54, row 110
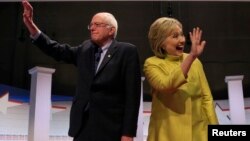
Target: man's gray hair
column 110, row 19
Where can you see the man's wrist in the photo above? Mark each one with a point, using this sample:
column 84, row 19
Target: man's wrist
column 34, row 37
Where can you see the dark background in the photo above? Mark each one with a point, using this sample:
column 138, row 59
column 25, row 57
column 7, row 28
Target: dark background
column 225, row 25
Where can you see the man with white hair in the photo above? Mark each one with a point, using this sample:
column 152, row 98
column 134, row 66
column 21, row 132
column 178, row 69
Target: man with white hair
column 106, row 104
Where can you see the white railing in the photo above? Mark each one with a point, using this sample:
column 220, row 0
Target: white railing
column 236, row 99
column 40, row 103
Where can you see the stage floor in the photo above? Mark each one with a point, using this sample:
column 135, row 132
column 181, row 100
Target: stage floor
column 14, row 123
column 14, row 115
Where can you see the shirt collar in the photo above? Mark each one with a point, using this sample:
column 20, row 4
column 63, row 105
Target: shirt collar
column 107, row 45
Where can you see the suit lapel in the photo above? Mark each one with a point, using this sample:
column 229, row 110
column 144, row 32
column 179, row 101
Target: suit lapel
column 108, row 56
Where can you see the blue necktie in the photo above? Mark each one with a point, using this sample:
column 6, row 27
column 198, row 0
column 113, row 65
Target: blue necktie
column 97, row 56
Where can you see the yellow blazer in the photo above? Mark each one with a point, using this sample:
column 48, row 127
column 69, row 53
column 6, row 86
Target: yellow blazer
column 181, row 107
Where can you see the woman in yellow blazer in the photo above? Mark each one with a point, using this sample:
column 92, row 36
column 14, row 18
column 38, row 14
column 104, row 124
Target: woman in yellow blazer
column 182, row 103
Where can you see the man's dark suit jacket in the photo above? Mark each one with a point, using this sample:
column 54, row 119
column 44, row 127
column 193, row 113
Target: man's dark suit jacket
column 113, row 93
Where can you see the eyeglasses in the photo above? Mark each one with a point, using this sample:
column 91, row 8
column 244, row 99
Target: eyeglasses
column 98, row 25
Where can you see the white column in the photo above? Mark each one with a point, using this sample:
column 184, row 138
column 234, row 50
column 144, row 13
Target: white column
column 139, row 134
column 40, row 103
column 236, row 99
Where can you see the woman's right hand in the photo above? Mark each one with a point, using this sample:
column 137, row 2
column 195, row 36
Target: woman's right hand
column 197, row 45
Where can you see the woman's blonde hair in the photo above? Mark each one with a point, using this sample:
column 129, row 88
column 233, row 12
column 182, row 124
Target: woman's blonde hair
column 159, row 31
